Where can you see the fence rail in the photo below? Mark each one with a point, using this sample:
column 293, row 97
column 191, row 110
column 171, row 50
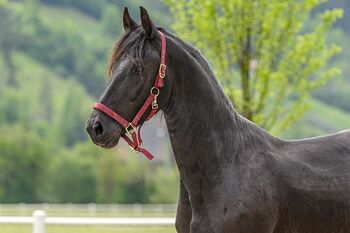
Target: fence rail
column 90, row 210
column 39, row 220
column 89, row 206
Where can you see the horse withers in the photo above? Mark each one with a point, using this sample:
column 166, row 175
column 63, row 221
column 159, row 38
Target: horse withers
column 234, row 176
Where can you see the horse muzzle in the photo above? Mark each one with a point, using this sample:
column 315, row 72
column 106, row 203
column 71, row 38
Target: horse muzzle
column 101, row 134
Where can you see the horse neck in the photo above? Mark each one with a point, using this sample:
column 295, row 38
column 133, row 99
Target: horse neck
column 201, row 121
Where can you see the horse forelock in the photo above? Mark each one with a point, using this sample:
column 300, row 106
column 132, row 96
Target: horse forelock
column 129, row 45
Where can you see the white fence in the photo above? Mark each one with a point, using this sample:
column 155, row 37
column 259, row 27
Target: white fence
column 40, row 219
column 92, row 209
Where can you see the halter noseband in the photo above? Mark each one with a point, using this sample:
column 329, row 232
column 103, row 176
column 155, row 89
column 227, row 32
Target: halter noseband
column 131, row 127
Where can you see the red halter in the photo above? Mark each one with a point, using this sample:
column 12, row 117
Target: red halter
column 131, row 127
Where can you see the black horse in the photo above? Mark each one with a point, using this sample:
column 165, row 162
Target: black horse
column 235, row 176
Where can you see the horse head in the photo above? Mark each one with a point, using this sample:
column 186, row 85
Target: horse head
column 135, row 89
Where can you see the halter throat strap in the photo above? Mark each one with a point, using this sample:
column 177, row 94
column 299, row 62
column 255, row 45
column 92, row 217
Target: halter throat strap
column 132, row 128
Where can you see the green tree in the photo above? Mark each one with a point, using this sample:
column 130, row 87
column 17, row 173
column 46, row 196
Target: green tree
column 267, row 54
column 90, row 7
column 128, row 181
column 73, row 177
column 112, row 171
column 13, row 107
column 110, row 23
column 23, row 161
column 71, row 126
column 163, row 185
column 47, row 102
column 9, row 25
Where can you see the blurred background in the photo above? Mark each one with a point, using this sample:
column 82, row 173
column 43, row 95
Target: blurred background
column 53, row 60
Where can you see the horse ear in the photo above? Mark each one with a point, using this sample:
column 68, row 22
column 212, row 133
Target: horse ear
column 147, row 24
column 128, row 22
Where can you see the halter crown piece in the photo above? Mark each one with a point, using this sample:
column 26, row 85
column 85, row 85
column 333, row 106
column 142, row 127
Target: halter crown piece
column 133, row 128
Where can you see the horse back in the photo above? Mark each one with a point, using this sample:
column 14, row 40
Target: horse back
column 314, row 175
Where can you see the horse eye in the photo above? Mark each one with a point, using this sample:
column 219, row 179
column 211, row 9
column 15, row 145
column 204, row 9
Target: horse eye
column 136, row 70
column 139, row 70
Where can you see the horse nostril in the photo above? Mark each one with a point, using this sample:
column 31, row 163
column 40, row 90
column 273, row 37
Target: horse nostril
column 98, row 129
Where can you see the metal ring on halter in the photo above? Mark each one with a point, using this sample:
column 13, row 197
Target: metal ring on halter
column 155, row 91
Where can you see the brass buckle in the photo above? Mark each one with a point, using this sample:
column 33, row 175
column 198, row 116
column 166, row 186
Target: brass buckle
column 162, row 69
column 130, row 128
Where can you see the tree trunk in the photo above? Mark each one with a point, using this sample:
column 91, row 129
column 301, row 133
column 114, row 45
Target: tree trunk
column 11, row 69
column 245, row 76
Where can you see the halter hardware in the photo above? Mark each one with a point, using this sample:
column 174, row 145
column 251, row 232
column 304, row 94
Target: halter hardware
column 155, row 91
column 162, row 69
column 132, row 127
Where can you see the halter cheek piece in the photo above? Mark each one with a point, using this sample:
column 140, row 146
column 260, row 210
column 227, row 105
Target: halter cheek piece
column 131, row 127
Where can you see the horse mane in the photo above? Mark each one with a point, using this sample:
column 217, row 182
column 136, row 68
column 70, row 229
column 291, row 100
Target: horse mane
column 197, row 55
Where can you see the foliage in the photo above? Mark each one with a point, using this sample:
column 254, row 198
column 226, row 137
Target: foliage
column 8, row 39
column 91, row 7
column 163, row 185
column 72, row 121
column 345, row 4
column 111, row 26
column 320, row 120
column 111, row 174
column 13, row 107
column 336, row 92
column 127, row 179
column 23, row 158
column 122, row 179
column 56, row 46
column 73, row 177
column 265, row 55
column 107, row 177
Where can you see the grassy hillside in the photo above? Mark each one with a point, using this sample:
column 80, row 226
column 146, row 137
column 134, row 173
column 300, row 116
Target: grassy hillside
column 319, row 120
column 31, row 84
column 41, row 98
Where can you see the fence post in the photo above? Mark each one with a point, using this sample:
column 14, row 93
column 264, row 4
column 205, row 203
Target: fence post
column 39, row 221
